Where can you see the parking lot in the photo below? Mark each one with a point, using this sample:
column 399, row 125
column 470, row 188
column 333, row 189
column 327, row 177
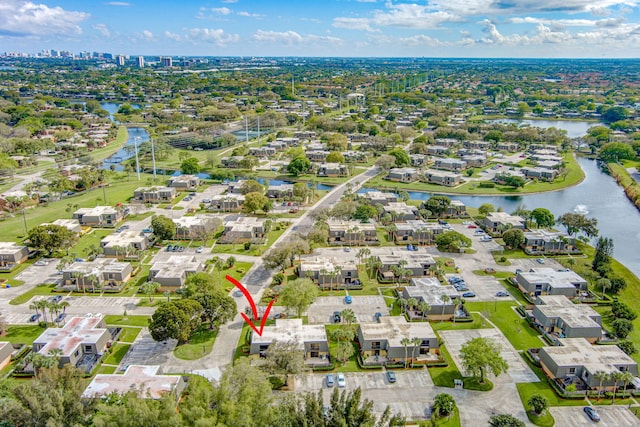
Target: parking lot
column 518, row 371
column 146, row 351
column 364, row 308
column 610, row 416
column 37, row 274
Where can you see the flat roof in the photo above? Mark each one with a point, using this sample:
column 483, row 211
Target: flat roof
column 579, row 352
column 78, row 330
column 414, row 260
column 400, row 207
column 443, row 174
column 505, row 218
column 290, row 330
column 190, row 221
column 394, row 328
column 417, row 224
column 97, row 210
column 553, row 278
column 175, row 266
column 574, row 315
column 431, row 291
column 319, row 264
column 546, row 235
column 146, row 379
column 10, row 247
column 123, row 238
column 337, row 224
column 98, row 266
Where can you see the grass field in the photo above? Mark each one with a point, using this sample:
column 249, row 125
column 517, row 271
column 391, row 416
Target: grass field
column 118, row 351
column 128, row 334
column 92, row 238
column 444, row 376
column 142, row 321
column 22, row 334
column 40, row 290
column 199, row 345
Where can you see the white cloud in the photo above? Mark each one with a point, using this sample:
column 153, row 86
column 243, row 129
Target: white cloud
column 504, row 7
column 555, row 22
column 173, row 36
column 119, row 3
column 215, row 36
column 148, row 35
column 250, row 15
column 353, row 24
column 290, row 38
column 221, row 10
column 103, row 29
column 229, row 1
column 24, row 18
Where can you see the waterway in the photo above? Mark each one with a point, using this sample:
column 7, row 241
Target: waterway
column 574, row 128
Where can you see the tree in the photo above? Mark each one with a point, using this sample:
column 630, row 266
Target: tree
column 538, row 403
column 256, row 201
column 437, row 204
column 616, row 151
column 601, row 376
column 299, row 166
column 51, row 238
column 284, row 358
column 337, row 142
column 334, row 157
column 218, row 308
column 505, row 420
column 513, row 238
column 480, row 355
column 602, row 258
column 277, row 257
column 486, row 208
column 401, row 156
column 622, row 327
column 577, row 223
column 344, row 350
column 627, row 347
column 365, row 212
column 298, row 295
column 190, row 166
column 251, row 186
column 443, row 405
column 405, row 342
column 348, row 316
column 615, row 114
column 386, row 162
column 543, row 217
column 175, row 320
column 621, row 310
column 200, row 283
column 452, row 241
column 149, row 288
column 163, row 227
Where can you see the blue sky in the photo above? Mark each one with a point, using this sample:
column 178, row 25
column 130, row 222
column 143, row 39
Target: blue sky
column 436, row 28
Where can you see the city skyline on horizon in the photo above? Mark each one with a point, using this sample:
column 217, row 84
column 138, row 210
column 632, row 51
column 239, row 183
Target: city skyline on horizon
column 335, row 28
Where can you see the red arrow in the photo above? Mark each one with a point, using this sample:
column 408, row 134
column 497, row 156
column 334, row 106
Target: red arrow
column 249, row 298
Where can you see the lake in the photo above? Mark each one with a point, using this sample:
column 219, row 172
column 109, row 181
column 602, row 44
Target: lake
column 574, row 128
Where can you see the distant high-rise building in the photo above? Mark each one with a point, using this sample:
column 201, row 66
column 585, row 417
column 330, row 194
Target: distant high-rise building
column 166, row 61
column 140, row 61
column 120, row 60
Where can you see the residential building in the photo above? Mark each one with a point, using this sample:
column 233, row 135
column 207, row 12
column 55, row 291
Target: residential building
column 547, row 281
column 232, row 162
column 227, row 202
column 282, row 191
column 418, row 264
column 6, row 350
column 448, row 164
column 70, row 224
column 446, row 142
column 198, row 227
column 100, row 216
column 499, row 222
column 243, row 229
column 263, row 151
column 403, row 174
column 12, row 254
column 577, row 359
column 507, row 146
column 105, row 274
column 378, row 197
column 311, row 340
column 317, row 156
column 333, row 170
column 475, row 161
column 543, row 174
column 355, row 156
column 125, row 244
column 417, row 231
column 558, row 316
column 548, row 242
column 418, row 160
column 477, row 144
column 146, row 379
column 456, row 209
column 351, row 232
column 329, row 273
column 440, row 298
column 400, row 211
column 81, row 342
column 171, row 273
column 437, row 150
column 383, row 342
column 154, row 194
column 184, row 182
column 447, row 179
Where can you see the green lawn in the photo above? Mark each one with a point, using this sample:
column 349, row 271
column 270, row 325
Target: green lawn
column 43, row 290
column 544, row 420
column 9, row 276
column 114, row 146
column 254, row 250
column 92, row 238
column 526, row 390
column 128, row 334
column 116, row 320
column 22, row 334
column 199, row 345
column 118, row 351
column 452, row 421
column 106, row 369
column 478, row 323
column 443, row 377
column 515, row 328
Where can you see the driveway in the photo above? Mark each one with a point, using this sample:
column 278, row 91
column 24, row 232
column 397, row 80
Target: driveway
column 364, row 307
column 146, row 351
column 518, row 371
column 38, row 274
column 610, row 416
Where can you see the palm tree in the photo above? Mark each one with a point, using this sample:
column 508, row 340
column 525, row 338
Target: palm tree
column 456, row 303
column 63, row 305
column 626, row 378
column 405, row 342
column 42, row 303
column 412, row 303
column 601, row 376
column 348, row 316
column 445, row 299
column 424, row 308
column 416, row 344
column 403, row 303
column 35, row 306
column 77, row 275
column 93, row 279
column 616, row 377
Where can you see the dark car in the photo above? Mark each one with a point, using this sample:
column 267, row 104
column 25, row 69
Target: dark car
column 336, row 317
column 592, row 414
column 391, row 376
column 169, row 248
column 60, row 317
column 330, row 380
column 57, row 298
column 502, row 294
column 469, row 295
column 34, row 317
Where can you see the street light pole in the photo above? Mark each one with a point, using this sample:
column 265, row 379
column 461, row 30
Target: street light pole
column 153, row 159
column 24, row 220
column 135, row 146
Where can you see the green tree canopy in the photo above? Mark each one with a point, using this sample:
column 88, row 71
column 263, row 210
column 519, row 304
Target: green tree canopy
column 299, row 166
column 438, row 204
column 480, row 355
column 452, row 241
column 577, row 223
column 486, row 208
column 513, row 238
column 615, row 151
column 298, row 295
column 163, row 227
column 402, row 157
column 50, row 238
column 543, row 217
column 190, row 166
column 256, row 201
column 217, row 307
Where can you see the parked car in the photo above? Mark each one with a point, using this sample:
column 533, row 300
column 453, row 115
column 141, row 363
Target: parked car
column 206, row 200
column 147, row 230
column 60, row 317
column 336, row 317
column 169, row 248
column 478, row 232
column 486, row 238
column 348, row 299
column 342, row 382
column 56, row 298
column 41, row 262
column 540, row 260
column 502, row 294
column 168, row 207
column 200, row 250
column 377, row 317
column 592, row 414
column 391, row 376
column 469, row 295
column 180, row 248
column 34, row 317
column 330, row 380
column 347, row 249
column 472, row 226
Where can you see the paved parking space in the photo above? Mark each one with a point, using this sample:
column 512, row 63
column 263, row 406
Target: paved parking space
column 364, row 307
column 518, row 371
column 38, row 274
column 610, row 416
column 485, row 287
column 146, row 351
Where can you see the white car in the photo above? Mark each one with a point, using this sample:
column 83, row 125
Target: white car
column 41, row 262
column 342, row 382
column 200, row 249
